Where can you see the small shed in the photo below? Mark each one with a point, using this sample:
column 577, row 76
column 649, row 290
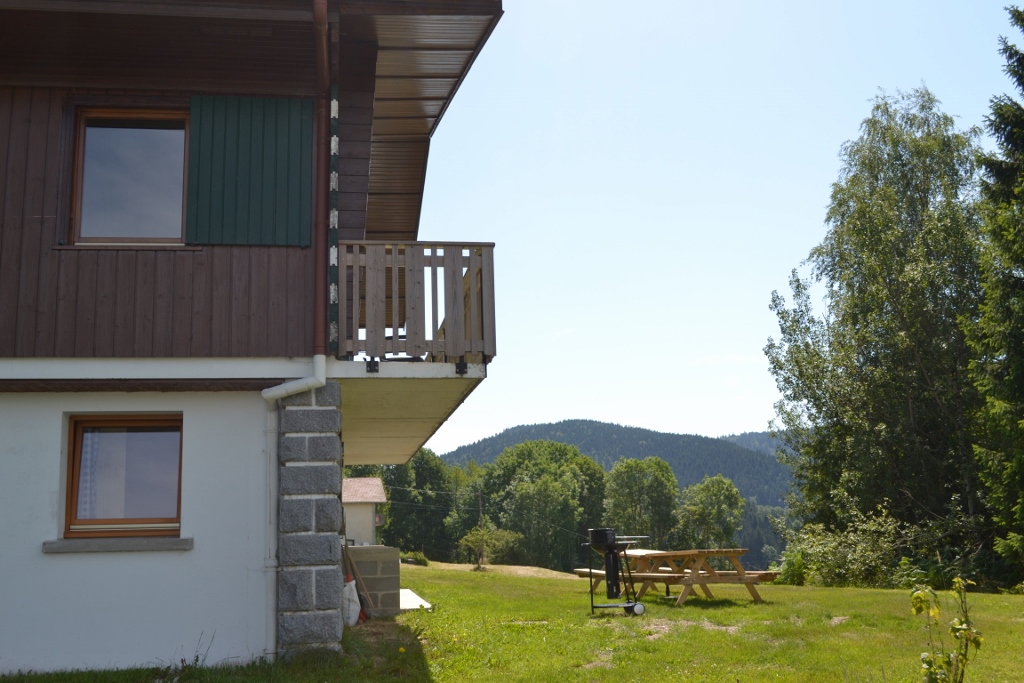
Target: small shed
column 360, row 497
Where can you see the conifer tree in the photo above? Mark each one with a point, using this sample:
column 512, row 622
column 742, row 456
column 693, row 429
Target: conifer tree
column 999, row 338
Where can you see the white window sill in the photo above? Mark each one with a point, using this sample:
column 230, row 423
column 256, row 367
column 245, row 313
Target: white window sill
column 117, row 545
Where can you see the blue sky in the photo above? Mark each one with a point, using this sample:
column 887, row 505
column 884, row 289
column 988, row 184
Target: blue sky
column 651, row 171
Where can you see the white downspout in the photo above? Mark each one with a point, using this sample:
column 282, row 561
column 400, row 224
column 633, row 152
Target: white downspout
column 297, row 386
column 272, row 394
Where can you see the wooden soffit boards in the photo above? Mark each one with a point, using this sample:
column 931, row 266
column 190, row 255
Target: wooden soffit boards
column 146, row 51
column 425, row 50
column 386, row 420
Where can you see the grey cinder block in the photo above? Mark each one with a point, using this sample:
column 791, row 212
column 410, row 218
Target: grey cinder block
column 295, row 590
column 328, row 395
column 328, row 588
column 312, row 479
column 325, row 448
column 365, row 568
column 309, row 549
column 308, row 628
column 295, row 515
column 304, row 398
column 294, row 449
column 324, row 421
column 328, row 515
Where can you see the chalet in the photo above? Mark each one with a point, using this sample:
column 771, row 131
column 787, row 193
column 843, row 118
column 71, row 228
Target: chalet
column 211, row 297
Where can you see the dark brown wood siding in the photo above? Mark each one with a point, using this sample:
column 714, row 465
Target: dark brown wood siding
column 69, row 302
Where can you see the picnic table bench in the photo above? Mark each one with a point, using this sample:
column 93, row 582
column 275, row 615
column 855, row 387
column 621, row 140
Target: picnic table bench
column 687, row 568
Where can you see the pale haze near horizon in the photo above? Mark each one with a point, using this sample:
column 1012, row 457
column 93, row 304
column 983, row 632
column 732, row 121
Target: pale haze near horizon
column 651, row 171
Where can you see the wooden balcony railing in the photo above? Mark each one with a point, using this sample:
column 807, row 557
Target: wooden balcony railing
column 427, row 300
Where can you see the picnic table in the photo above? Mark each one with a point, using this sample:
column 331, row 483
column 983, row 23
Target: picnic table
column 686, row 568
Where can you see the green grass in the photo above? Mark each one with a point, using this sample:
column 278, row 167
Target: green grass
column 489, row 626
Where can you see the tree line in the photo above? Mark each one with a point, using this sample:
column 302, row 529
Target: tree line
column 535, row 502
column 902, row 404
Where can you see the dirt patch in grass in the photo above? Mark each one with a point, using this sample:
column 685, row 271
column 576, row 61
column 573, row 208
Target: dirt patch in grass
column 657, row 628
column 510, row 570
column 835, row 621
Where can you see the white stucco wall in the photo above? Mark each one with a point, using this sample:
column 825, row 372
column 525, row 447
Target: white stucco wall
column 359, row 522
column 90, row 610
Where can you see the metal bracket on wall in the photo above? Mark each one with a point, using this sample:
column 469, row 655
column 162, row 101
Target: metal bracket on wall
column 373, row 365
column 461, row 367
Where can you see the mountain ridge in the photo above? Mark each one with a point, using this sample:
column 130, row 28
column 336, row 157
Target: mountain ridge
column 691, row 457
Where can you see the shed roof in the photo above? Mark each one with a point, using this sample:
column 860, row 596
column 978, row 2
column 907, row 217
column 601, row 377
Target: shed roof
column 363, row 490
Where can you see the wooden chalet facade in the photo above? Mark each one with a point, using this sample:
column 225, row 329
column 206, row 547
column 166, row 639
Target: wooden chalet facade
column 211, row 297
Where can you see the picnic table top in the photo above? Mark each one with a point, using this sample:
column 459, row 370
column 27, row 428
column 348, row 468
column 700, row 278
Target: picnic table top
column 707, row 552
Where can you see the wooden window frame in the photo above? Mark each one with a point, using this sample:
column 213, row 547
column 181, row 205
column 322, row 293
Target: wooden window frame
column 82, row 117
column 114, row 528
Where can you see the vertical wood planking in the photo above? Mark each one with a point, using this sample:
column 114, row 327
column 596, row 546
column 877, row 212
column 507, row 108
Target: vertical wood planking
column 6, row 102
column 124, row 305
column 395, row 312
column 453, row 310
column 181, row 314
column 239, row 302
column 145, row 293
column 487, row 298
column 220, row 339
column 85, row 314
column 202, row 304
column 32, row 224
column 343, row 302
column 163, row 304
column 48, row 270
column 414, row 302
column 13, row 216
column 375, row 304
column 106, row 297
column 300, row 296
column 357, row 296
column 67, row 300
column 473, row 317
column 277, row 304
column 258, row 302
column 436, row 346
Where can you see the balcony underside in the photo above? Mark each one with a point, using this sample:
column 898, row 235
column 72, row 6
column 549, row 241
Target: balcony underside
column 387, row 417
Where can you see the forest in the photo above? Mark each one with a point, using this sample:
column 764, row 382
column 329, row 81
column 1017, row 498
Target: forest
column 533, row 505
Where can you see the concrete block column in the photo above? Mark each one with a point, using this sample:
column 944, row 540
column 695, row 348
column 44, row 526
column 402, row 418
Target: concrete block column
column 309, row 578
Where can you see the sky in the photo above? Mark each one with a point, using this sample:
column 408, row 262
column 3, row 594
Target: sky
column 651, row 171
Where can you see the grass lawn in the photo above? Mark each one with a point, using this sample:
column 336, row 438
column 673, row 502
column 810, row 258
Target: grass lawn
column 488, row 626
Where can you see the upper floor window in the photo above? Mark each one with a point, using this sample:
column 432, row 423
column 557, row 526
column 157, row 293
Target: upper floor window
column 130, row 176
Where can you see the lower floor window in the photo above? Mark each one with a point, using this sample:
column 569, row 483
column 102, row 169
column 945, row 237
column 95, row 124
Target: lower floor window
column 124, row 476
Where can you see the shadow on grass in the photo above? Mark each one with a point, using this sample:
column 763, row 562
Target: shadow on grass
column 710, row 603
column 379, row 651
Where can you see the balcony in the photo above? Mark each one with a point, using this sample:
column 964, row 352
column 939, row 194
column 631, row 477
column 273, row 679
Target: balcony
column 425, row 301
column 430, row 304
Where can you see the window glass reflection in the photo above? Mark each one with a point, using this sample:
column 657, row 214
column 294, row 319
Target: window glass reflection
column 132, row 183
column 129, row 473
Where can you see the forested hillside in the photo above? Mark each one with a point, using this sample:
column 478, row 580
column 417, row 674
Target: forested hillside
column 691, row 457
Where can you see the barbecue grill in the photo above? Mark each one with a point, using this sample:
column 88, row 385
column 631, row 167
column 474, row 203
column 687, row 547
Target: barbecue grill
column 612, row 550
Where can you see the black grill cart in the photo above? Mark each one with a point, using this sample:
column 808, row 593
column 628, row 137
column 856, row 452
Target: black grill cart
column 617, row 574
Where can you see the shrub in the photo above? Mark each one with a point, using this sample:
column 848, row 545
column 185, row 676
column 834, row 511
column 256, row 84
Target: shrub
column 862, row 554
column 414, row 557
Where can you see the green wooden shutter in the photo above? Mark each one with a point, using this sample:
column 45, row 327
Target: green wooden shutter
column 250, row 171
